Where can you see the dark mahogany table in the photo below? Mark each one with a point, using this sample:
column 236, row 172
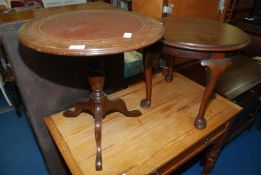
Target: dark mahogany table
column 93, row 34
column 202, row 39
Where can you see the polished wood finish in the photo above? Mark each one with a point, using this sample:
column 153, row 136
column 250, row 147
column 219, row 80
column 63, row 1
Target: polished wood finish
column 201, row 39
column 159, row 141
column 190, row 8
column 199, row 8
column 215, row 67
column 97, row 33
column 153, row 8
column 202, row 34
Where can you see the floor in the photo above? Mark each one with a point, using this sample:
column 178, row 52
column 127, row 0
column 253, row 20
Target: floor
column 20, row 153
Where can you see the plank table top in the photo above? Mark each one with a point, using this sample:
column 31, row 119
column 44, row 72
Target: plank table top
column 141, row 145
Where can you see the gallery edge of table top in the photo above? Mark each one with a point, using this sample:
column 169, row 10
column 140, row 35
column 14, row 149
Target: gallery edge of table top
column 139, row 145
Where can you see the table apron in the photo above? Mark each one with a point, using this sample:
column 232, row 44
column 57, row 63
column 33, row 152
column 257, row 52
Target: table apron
column 185, row 53
column 192, row 151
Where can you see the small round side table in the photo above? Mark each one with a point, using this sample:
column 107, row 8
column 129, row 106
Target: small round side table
column 96, row 35
column 202, row 39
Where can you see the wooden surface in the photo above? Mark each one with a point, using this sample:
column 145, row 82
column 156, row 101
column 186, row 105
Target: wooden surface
column 101, row 32
column 153, row 8
column 199, row 8
column 202, row 34
column 229, row 85
column 36, row 13
column 232, row 85
column 192, row 8
column 140, row 145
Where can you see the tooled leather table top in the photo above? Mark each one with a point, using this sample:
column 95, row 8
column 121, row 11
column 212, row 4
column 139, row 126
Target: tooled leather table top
column 90, row 32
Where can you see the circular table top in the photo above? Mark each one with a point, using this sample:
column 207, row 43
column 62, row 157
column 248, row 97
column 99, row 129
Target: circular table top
column 202, row 34
column 90, row 33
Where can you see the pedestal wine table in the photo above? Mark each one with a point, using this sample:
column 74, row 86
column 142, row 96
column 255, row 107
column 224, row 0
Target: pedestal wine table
column 93, row 34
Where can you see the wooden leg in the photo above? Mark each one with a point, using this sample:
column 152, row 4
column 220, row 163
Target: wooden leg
column 120, row 106
column 80, row 106
column 212, row 154
column 99, row 105
column 98, row 126
column 145, row 103
column 150, row 53
column 169, row 75
column 215, row 66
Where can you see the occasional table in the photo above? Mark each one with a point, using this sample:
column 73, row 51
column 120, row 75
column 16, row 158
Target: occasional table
column 202, row 39
column 94, row 35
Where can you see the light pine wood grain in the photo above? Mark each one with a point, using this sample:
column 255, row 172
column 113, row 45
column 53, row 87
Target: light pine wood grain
column 140, row 145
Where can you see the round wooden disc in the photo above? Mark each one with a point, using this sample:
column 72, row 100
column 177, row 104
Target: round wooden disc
column 92, row 32
column 202, row 34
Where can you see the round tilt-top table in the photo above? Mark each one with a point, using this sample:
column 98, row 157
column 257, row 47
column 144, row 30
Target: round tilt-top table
column 202, row 39
column 93, row 34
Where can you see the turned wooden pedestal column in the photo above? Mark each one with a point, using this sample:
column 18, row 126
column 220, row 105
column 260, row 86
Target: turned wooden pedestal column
column 202, row 39
column 93, row 34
